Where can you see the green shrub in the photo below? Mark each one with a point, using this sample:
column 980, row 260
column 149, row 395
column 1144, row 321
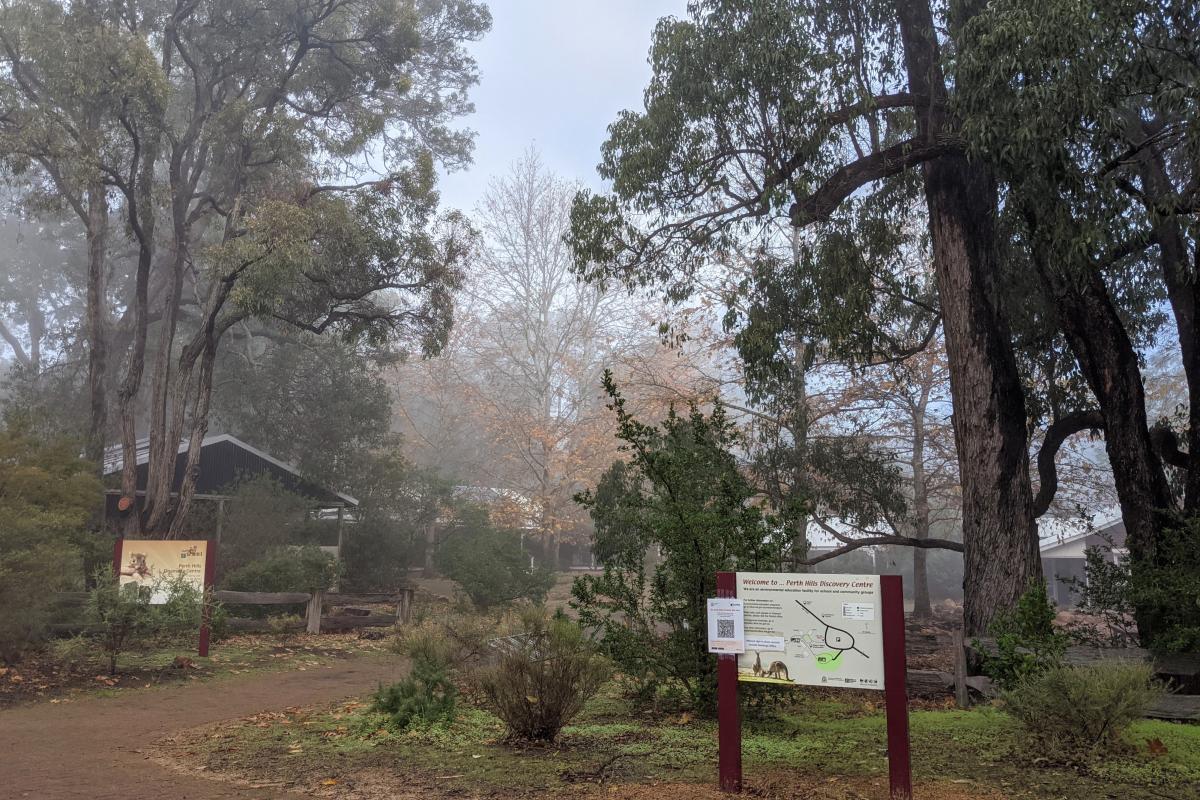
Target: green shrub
column 74, row 652
column 490, row 565
column 1080, row 712
column 1026, row 642
column 426, row 697
column 46, row 495
column 286, row 569
column 1104, row 592
column 125, row 618
column 544, row 677
column 683, row 496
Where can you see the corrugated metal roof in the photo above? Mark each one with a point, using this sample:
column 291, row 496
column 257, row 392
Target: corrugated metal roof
column 224, row 458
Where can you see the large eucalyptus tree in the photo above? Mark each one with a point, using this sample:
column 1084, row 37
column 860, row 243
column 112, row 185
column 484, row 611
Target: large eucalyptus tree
column 267, row 159
column 812, row 112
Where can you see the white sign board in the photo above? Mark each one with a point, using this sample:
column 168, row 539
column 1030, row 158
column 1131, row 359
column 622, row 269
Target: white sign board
column 726, row 625
column 803, row 628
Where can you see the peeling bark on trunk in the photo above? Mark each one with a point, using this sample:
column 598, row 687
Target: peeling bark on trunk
column 1000, row 543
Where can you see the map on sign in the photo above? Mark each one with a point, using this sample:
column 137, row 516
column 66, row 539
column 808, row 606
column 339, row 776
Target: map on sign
column 820, row 630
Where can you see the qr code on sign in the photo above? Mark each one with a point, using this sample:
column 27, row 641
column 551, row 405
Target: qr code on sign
column 724, row 629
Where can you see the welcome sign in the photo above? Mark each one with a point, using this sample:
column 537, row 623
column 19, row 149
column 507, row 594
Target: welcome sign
column 157, row 563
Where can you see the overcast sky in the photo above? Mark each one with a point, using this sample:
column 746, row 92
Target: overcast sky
column 554, row 74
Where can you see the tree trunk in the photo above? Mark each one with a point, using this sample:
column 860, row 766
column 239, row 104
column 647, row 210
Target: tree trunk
column 1109, row 362
column 97, row 312
column 200, row 407
column 922, row 609
column 1000, row 542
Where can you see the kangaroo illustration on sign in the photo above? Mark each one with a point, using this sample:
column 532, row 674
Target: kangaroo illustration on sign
column 778, row 670
column 758, row 670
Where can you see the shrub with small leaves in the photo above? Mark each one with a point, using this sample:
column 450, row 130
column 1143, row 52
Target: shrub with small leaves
column 425, row 697
column 1026, row 642
column 124, row 618
column 1074, row 713
column 543, row 677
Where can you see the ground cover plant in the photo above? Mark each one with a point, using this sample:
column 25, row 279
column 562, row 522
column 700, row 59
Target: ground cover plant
column 827, row 744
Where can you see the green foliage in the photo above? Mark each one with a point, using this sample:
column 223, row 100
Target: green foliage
column 262, row 516
column 682, row 496
column 1113, row 589
column 399, row 504
column 426, row 697
column 126, row 619
column 1104, row 592
column 46, row 495
column 1026, row 642
column 489, row 564
column 1170, row 583
column 1076, row 713
column 544, row 677
column 286, row 569
column 458, row 639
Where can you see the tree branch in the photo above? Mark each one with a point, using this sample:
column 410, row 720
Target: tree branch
column 1061, row 429
column 849, row 178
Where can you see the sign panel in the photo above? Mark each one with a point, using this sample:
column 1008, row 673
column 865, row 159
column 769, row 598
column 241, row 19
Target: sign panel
column 159, row 562
column 726, row 625
column 819, row 630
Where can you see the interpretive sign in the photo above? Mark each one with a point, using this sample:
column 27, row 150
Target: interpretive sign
column 818, row 630
column 157, row 563
column 825, row 630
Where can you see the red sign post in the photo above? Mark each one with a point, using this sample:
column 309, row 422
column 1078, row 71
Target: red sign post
column 729, row 719
column 895, row 687
column 210, row 579
column 895, row 674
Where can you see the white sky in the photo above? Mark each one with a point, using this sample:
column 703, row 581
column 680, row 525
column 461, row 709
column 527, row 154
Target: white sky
column 554, row 74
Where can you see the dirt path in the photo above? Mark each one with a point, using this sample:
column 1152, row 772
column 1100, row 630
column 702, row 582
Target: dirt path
column 90, row 748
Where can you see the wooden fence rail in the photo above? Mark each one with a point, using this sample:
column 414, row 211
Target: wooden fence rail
column 315, row 621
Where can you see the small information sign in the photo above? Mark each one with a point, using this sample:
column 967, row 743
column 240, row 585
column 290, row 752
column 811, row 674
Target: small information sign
column 726, row 626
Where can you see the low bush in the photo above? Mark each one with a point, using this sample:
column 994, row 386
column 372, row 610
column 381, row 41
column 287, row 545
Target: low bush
column 457, row 640
column 125, row 619
column 425, row 697
column 1026, row 642
column 543, row 677
column 1081, row 712
column 286, row 569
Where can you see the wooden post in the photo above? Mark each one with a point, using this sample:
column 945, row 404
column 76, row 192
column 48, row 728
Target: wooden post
column 314, row 611
column 895, row 689
column 117, row 559
column 210, row 572
column 962, row 696
column 404, row 606
column 729, row 722
column 220, row 518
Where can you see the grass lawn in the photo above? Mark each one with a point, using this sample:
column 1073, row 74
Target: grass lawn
column 829, row 745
